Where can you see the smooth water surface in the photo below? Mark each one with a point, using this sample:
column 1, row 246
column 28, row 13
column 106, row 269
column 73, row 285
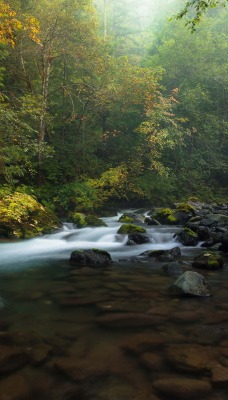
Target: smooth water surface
column 111, row 333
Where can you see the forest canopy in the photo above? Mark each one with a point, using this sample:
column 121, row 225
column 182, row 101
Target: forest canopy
column 104, row 103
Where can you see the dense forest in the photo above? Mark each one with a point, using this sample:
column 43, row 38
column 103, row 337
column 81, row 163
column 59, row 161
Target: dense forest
column 113, row 102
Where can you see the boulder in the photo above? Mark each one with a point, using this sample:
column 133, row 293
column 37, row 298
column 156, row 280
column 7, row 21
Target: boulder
column 138, row 238
column 22, row 216
column 131, row 217
column 166, row 216
column 91, row 257
column 82, row 220
column 129, row 228
column 191, row 284
column 187, row 237
column 208, row 260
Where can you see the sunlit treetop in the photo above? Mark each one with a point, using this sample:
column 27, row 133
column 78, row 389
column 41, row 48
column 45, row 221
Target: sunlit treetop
column 195, row 9
column 11, row 25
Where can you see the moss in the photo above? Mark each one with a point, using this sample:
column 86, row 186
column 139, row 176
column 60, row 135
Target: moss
column 125, row 218
column 92, row 220
column 129, row 228
column 23, row 217
column 166, row 216
column 82, row 220
column 185, row 207
column 208, row 260
column 79, row 219
column 190, row 232
column 172, row 219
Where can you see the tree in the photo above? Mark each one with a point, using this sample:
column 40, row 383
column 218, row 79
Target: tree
column 195, row 9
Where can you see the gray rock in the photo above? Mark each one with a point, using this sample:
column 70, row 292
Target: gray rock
column 91, row 257
column 191, row 284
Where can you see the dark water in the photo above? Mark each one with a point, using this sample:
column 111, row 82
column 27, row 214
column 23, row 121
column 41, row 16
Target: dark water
column 107, row 334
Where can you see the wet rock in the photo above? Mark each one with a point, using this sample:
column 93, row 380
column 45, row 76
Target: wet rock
column 151, row 221
column 39, row 353
column 191, row 284
column 208, row 260
column 165, row 258
column 74, row 301
column 91, row 257
column 172, row 269
column 208, row 222
column 129, row 229
column 12, row 358
column 79, row 370
column 152, row 361
column 182, row 388
column 220, row 376
column 138, row 238
column 131, row 217
column 175, row 252
column 187, row 237
column 14, row 387
column 191, row 358
column 224, row 242
column 186, row 316
column 142, row 342
column 119, row 320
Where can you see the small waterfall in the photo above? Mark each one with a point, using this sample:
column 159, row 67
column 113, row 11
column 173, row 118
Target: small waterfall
column 58, row 246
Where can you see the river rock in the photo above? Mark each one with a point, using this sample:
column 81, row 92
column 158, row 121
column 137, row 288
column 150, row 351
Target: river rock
column 139, row 343
column 12, row 358
column 191, row 358
column 14, row 387
column 220, row 376
column 172, row 269
column 191, row 284
column 152, row 361
column 131, row 217
column 187, row 237
column 208, row 260
column 91, row 257
column 179, row 388
column 138, row 238
column 119, row 320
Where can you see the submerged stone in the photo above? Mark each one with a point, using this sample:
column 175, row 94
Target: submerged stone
column 191, row 284
column 182, row 388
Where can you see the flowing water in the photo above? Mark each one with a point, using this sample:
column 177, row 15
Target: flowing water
column 111, row 333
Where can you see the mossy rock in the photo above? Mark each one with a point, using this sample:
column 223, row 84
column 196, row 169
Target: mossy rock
column 92, row 220
column 188, row 237
column 79, row 219
column 91, row 257
column 126, row 218
column 82, row 220
column 186, row 208
column 166, row 216
column 208, row 260
column 22, row 216
column 129, row 228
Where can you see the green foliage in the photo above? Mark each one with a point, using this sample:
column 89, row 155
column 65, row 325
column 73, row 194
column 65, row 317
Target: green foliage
column 196, row 9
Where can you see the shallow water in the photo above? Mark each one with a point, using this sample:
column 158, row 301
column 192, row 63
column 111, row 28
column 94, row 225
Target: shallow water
column 108, row 334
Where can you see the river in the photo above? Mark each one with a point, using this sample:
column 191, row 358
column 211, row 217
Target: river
column 111, row 333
